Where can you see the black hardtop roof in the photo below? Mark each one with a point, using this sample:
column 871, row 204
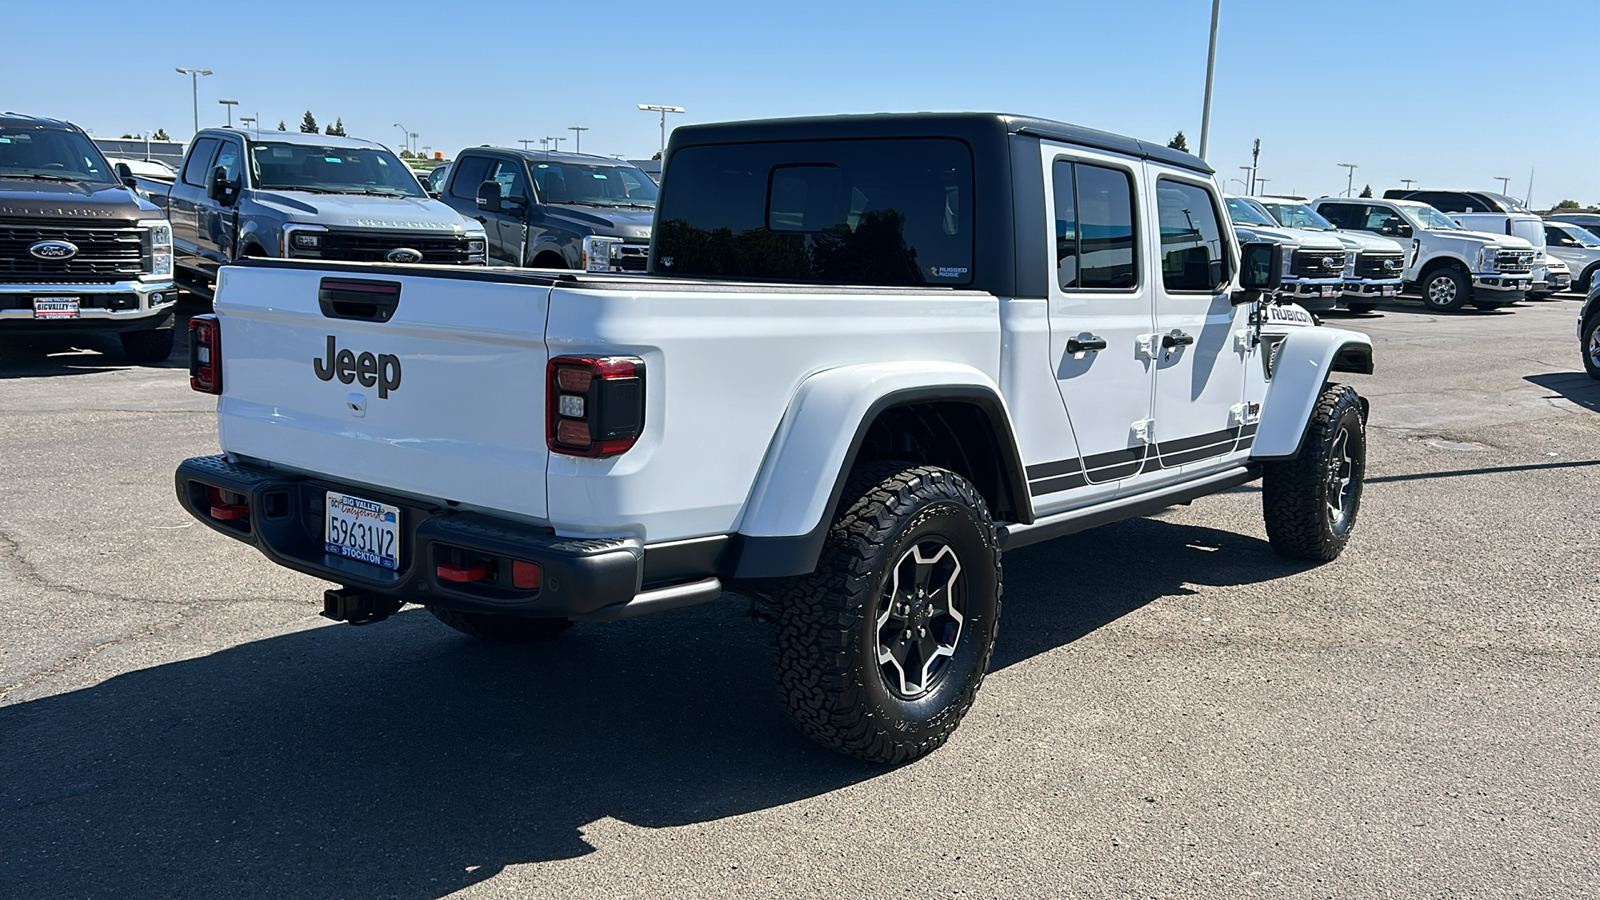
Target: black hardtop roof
column 973, row 127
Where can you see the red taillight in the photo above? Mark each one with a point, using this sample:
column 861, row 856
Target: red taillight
column 463, row 574
column 205, row 354
column 594, row 405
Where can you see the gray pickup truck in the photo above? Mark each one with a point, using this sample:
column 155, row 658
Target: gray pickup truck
column 311, row 196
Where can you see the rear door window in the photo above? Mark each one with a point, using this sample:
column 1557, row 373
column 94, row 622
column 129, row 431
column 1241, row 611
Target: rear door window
column 869, row 212
column 198, row 168
column 1094, row 227
column 469, row 173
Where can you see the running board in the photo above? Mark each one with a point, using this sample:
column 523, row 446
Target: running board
column 675, row 596
column 1074, row 521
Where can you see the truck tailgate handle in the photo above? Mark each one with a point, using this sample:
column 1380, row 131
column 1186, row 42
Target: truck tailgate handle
column 358, row 298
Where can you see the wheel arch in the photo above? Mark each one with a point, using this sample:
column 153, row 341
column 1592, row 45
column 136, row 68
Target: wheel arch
column 937, row 413
column 1304, row 365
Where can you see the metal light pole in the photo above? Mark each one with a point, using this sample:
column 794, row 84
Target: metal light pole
column 557, row 142
column 525, row 142
column 247, row 122
column 413, row 143
column 1211, row 68
column 1260, row 182
column 230, row 104
column 194, row 89
column 1350, row 188
column 1505, row 183
column 405, row 137
column 678, row 109
column 1408, row 182
column 577, row 137
column 1250, row 186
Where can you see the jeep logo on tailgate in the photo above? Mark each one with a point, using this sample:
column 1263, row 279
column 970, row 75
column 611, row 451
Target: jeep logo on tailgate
column 382, row 370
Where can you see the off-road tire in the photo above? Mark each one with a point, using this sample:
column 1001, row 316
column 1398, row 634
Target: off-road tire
column 1361, row 309
column 1440, row 298
column 501, row 628
column 151, row 346
column 830, row 623
column 1295, row 493
column 1590, row 346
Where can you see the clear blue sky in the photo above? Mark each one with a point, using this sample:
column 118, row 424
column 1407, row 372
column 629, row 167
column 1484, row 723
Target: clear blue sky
column 1448, row 92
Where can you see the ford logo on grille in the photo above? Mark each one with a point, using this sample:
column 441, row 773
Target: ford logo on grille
column 1391, row 264
column 53, row 250
column 1327, row 262
column 404, row 255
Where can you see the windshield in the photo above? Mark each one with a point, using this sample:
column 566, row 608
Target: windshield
column 1433, row 220
column 331, row 170
column 1583, row 237
column 593, row 184
column 1511, row 204
column 51, row 154
column 1297, row 215
column 1245, row 212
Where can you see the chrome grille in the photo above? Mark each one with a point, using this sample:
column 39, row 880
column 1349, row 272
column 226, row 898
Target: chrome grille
column 1515, row 262
column 633, row 257
column 105, row 253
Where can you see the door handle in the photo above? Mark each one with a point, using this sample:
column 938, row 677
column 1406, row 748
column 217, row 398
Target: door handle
column 1084, row 343
column 1176, row 338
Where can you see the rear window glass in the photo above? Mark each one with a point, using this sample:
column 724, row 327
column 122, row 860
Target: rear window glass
column 871, row 212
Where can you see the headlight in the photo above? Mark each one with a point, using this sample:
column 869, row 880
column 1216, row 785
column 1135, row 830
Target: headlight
column 1350, row 257
column 157, row 241
column 307, row 241
column 598, row 252
column 475, row 246
column 1486, row 258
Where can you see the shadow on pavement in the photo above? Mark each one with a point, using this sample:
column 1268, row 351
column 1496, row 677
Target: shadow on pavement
column 404, row 760
column 1576, row 387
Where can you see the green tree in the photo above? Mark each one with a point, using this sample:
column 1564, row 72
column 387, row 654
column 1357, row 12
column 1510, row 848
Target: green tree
column 1366, row 191
column 1567, row 204
column 308, row 125
column 656, row 155
column 280, row 126
column 160, row 135
column 1179, row 142
column 127, row 136
column 407, row 154
column 337, row 128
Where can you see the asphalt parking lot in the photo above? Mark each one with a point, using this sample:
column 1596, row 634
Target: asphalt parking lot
column 1173, row 710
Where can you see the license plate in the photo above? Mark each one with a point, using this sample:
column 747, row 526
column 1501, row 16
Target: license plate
column 1327, row 292
column 1389, row 291
column 363, row 529
column 1522, row 285
column 55, row 307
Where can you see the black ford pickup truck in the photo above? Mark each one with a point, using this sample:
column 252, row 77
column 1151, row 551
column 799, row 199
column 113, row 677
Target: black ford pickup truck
column 79, row 250
column 555, row 210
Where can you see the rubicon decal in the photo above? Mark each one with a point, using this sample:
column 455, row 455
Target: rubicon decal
column 382, row 370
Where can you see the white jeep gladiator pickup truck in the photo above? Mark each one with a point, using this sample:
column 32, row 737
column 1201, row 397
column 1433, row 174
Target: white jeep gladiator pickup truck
column 869, row 354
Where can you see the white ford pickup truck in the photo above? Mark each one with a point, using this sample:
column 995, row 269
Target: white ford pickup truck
column 869, row 354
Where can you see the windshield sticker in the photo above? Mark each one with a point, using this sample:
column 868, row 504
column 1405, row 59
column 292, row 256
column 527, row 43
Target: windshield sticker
column 947, row 271
column 5, row 140
column 282, row 153
column 333, row 159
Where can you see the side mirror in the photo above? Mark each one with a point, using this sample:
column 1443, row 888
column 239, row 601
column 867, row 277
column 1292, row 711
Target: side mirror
column 489, row 196
column 1260, row 269
column 125, row 175
column 220, row 189
column 1403, row 230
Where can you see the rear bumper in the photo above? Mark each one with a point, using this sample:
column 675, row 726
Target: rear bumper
column 595, row 579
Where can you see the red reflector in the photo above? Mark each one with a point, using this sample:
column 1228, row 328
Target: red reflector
column 576, row 381
column 449, row 572
column 525, row 576
column 573, row 433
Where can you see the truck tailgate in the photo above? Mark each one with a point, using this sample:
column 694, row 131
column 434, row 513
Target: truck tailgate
column 442, row 399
